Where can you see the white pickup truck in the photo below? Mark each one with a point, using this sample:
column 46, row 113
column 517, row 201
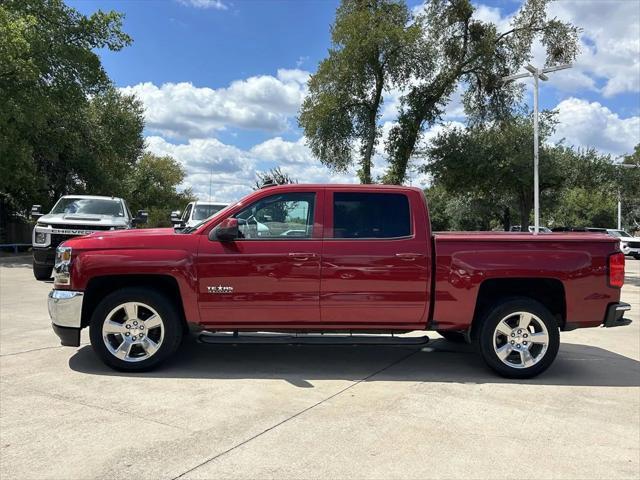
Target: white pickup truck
column 72, row 216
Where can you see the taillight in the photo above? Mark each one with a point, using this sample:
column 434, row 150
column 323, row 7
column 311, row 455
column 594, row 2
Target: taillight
column 616, row 270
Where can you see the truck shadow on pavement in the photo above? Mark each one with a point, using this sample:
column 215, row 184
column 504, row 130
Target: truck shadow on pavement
column 439, row 361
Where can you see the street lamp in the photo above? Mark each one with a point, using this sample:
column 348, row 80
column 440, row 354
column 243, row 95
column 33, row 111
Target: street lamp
column 536, row 73
column 622, row 165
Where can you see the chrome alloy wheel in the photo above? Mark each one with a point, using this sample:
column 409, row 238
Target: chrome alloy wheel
column 520, row 340
column 133, row 331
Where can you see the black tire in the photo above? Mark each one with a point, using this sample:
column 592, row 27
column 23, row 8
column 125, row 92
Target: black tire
column 172, row 325
column 452, row 336
column 488, row 329
column 41, row 272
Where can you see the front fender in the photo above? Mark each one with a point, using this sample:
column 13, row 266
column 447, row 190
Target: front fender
column 179, row 264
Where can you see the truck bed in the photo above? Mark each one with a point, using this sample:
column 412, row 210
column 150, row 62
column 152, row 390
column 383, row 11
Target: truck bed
column 465, row 262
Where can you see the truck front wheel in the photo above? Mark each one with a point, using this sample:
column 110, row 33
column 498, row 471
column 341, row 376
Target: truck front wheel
column 134, row 329
column 519, row 338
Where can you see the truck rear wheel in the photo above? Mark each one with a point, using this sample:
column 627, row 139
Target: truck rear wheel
column 519, row 338
column 134, row 329
column 41, row 272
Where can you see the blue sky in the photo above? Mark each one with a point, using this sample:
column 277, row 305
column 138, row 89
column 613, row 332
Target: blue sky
column 222, row 81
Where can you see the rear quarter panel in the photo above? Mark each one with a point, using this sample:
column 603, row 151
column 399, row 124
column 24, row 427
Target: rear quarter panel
column 463, row 262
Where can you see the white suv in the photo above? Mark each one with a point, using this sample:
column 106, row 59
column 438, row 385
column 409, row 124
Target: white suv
column 628, row 245
column 195, row 213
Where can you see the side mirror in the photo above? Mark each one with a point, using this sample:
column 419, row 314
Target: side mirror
column 141, row 218
column 36, row 212
column 226, row 231
column 175, row 218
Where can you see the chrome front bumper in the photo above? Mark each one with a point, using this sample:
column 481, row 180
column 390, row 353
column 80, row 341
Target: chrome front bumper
column 65, row 310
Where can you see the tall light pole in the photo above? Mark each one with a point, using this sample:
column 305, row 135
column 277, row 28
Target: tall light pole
column 537, row 74
column 622, row 165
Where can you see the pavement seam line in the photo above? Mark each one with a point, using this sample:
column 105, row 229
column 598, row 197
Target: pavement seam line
column 37, row 350
column 297, row 414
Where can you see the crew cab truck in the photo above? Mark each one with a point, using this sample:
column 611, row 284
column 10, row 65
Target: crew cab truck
column 75, row 215
column 365, row 261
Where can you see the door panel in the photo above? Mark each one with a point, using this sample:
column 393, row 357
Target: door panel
column 275, row 276
column 374, row 281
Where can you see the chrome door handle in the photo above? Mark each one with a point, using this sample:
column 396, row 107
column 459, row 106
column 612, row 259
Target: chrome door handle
column 409, row 256
column 302, row 256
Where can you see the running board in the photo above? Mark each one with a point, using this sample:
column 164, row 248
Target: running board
column 308, row 339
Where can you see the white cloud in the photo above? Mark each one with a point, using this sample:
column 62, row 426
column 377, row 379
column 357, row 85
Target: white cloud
column 188, row 117
column 590, row 124
column 609, row 61
column 215, row 4
column 281, row 151
column 485, row 13
column 185, row 111
column 610, row 41
column 231, row 172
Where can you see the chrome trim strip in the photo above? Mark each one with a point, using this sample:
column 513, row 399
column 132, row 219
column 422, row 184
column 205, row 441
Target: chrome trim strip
column 623, row 307
column 65, row 308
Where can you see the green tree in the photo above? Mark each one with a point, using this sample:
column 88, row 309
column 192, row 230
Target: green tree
column 491, row 166
column 628, row 178
column 49, row 140
column 373, row 47
column 466, row 211
column 274, row 176
column 467, row 51
column 153, row 186
column 584, row 207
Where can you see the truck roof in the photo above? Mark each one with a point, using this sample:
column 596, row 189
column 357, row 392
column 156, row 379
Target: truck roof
column 348, row 186
column 102, row 197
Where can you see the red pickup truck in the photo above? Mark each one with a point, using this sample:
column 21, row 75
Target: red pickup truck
column 334, row 258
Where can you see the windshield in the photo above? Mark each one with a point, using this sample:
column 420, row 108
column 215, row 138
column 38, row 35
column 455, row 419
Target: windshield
column 618, row 233
column 195, row 227
column 202, row 212
column 90, row 206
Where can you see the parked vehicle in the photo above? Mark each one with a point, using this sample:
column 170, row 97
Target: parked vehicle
column 368, row 262
column 629, row 245
column 75, row 215
column 532, row 229
column 194, row 213
column 580, row 229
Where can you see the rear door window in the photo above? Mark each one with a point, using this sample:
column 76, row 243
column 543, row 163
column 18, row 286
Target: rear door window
column 371, row 215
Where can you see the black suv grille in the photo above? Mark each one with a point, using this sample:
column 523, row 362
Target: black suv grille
column 634, row 244
column 58, row 238
column 82, row 227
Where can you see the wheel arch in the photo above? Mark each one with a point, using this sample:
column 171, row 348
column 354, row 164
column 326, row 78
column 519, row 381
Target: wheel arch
column 100, row 287
column 550, row 292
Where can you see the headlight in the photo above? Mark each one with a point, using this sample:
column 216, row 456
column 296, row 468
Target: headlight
column 41, row 234
column 62, row 267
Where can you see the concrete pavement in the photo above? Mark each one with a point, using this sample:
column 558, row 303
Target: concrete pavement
column 312, row 411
